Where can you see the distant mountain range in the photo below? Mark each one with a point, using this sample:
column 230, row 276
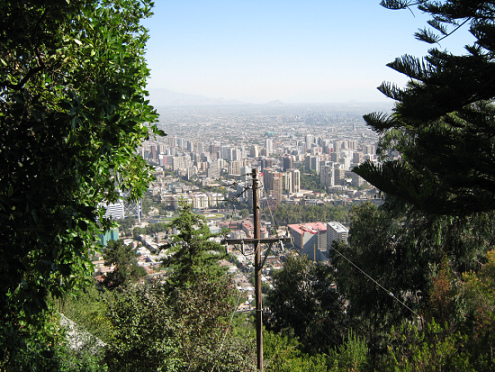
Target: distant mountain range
column 165, row 97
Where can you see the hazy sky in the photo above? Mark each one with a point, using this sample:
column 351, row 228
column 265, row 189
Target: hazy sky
column 290, row 50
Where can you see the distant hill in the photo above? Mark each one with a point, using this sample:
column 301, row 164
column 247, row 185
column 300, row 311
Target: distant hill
column 275, row 103
column 165, row 97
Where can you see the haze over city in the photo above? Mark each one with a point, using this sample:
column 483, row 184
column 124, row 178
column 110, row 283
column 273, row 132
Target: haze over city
column 292, row 51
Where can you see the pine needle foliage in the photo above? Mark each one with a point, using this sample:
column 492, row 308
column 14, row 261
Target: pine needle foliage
column 445, row 116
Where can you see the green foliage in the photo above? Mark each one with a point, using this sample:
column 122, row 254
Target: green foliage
column 442, row 294
column 73, row 111
column 146, row 204
column 30, row 346
column 463, row 338
column 88, row 358
column 245, row 213
column 124, row 260
column 442, row 124
column 88, row 309
column 304, row 300
column 282, row 354
column 203, row 297
column 377, row 247
column 289, row 213
column 144, row 332
column 444, row 166
column 478, row 296
column 310, row 180
column 42, row 345
column 436, row 348
column 151, row 229
column 188, row 320
column 203, row 314
column 404, row 253
column 194, row 249
column 127, row 223
column 352, row 355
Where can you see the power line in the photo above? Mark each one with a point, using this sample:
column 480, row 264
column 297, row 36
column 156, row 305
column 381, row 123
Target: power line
column 306, row 316
column 390, row 293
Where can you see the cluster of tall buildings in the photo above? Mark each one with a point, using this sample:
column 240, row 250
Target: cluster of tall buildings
column 283, row 143
column 279, row 160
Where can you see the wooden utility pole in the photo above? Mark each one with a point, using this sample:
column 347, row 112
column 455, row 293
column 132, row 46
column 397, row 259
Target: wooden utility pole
column 258, row 264
column 257, row 270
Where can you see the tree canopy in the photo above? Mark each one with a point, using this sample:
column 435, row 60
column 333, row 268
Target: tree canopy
column 304, row 301
column 442, row 124
column 194, row 250
column 73, row 111
column 124, row 259
column 437, row 171
column 187, row 319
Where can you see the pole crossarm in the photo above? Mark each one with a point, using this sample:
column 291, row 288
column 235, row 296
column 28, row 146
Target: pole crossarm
column 269, row 241
column 262, row 241
column 258, row 264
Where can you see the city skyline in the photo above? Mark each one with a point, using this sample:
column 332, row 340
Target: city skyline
column 295, row 52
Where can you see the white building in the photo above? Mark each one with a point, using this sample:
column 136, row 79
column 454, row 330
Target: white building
column 296, row 181
column 336, row 232
column 115, row 210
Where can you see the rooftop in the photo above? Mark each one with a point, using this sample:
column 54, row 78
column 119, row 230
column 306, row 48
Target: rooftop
column 311, row 227
column 337, row 226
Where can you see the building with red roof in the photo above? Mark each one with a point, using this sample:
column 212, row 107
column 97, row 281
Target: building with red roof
column 310, row 239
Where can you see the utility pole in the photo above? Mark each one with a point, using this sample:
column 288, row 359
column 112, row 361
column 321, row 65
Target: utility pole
column 258, row 264
column 257, row 270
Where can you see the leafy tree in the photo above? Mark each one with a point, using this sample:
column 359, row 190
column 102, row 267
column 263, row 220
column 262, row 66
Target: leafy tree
column 310, row 180
column 437, row 148
column 378, row 246
column 42, row 344
column 457, row 334
column 73, row 111
column 304, row 300
column 393, row 266
column 203, row 298
column 289, row 213
column 128, row 222
column 186, row 330
column 435, row 348
column 146, row 204
column 31, row 347
column 73, row 106
column 203, row 314
column 186, row 323
column 282, row 353
column 352, row 355
column 144, row 332
column 442, row 124
column 88, row 309
column 245, row 213
column 124, row 260
column 151, row 229
column 478, row 294
column 138, row 231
